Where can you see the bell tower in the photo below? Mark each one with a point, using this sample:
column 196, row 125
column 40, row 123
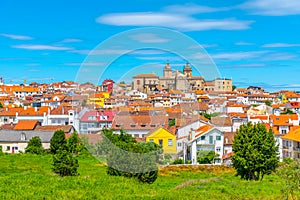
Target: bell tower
column 187, row 70
column 167, row 70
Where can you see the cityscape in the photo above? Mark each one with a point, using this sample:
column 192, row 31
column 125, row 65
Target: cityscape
column 166, row 101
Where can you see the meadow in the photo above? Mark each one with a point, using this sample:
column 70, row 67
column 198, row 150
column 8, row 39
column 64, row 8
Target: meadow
column 24, row 176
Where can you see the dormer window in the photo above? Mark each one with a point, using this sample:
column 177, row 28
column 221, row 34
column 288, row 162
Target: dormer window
column 118, row 125
column 132, row 125
column 23, row 136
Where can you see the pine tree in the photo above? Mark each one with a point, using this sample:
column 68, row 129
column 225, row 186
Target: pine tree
column 256, row 152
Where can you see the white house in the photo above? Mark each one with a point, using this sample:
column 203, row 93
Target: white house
column 206, row 138
column 16, row 141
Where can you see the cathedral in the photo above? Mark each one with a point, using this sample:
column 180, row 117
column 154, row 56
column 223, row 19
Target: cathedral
column 183, row 81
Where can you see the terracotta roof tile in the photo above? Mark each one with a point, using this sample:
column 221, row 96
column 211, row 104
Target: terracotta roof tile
column 26, row 125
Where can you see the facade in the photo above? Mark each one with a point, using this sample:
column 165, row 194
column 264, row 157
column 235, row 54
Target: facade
column 164, row 138
column 94, row 121
column 291, row 144
column 206, row 138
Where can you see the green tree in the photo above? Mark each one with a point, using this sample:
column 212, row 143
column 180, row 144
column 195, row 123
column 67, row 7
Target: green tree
column 287, row 112
column 206, row 156
column 290, row 173
column 64, row 163
column 233, row 87
column 172, row 122
column 58, row 141
column 1, row 106
column 74, row 143
column 268, row 102
column 34, row 146
column 256, row 152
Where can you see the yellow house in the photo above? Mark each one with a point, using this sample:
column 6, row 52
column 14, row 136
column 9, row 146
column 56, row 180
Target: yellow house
column 164, row 138
column 98, row 98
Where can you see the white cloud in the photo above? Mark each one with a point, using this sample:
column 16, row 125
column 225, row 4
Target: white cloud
column 161, row 58
column 243, row 43
column 16, row 37
column 272, row 7
column 191, row 8
column 238, row 55
column 147, row 52
column 70, row 40
column 275, row 45
column 172, row 20
column 280, row 56
column 41, row 47
column 102, row 51
column 148, row 38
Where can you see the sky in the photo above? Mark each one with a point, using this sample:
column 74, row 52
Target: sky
column 254, row 42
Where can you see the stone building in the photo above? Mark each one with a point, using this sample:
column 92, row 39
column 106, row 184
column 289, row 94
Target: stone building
column 183, row 81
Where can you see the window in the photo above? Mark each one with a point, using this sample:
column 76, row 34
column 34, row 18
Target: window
column 132, row 125
column 151, row 140
column 179, row 144
column 91, row 117
column 218, row 137
column 138, row 82
column 283, row 131
column 7, row 148
column 170, row 142
column 211, row 140
column 218, row 149
column 160, row 142
column 202, row 137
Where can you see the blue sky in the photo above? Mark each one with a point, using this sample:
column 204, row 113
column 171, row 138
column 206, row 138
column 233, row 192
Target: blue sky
column 254, row 42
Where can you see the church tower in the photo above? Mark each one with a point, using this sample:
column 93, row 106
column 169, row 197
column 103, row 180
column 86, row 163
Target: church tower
column 187, row 70
column 167, row 71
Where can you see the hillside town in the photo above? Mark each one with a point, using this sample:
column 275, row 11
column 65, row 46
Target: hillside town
column 181, row 112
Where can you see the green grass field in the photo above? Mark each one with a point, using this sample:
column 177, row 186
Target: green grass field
column 24, row 176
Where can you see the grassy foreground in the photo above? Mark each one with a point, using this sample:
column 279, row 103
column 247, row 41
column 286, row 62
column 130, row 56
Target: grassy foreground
column 24, row 176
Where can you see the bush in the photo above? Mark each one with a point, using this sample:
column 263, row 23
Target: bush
column 126, row 157
column 290, row 173
column 34, row 146
column 177, row 161
column 206, row 157
column 64, row 163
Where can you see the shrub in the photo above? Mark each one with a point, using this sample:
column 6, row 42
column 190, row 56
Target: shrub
column 128, row 158
column 177, row 161
column 34, row 146
column 64, row 163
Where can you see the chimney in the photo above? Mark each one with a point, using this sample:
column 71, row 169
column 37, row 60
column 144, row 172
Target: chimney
column 62, row 110
column 35, row 109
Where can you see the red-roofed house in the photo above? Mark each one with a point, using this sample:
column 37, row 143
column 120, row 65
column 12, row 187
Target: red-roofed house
column 94, row 121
